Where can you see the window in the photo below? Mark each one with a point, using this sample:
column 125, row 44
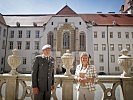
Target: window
column 111, row 47
column 103, row 47
column 66, row 40
column 19, row 44
column 4, row 33
column 24, row 60
column 119, row 47
column 117, row 68
column 2, row 60
column 127, row 35
column 27, row 45
column 79, row 23
column 128, row 47
column 82, row 41
column 28, row 33
column 111, row 34
column 95, row 47
column 11, row 45
column 11, row 34
column 101, row 68
column 50, row 39
column 3, row 44
column 66, row 20
column 119, row 34
column 52, row 23
column 95, row 34
column 36, row 45
column 112, row 58
column 19, row 33
column 103, row 34
column 37, row 33
column 101, row 58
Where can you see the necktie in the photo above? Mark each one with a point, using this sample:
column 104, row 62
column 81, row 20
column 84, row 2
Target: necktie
column 47, row 58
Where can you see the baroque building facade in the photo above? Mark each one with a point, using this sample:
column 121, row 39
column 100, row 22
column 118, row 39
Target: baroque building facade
column 103, row 36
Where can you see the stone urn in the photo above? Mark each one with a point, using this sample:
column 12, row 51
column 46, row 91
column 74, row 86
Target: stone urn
column 14, row 61
column 125, row 63
column 67, row 60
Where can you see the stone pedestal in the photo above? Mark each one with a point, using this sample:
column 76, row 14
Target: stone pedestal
column 67, row 87
column 11, row 88
column 127, row 87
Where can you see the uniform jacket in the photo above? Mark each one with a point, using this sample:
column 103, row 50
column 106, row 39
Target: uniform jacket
column 43, row 73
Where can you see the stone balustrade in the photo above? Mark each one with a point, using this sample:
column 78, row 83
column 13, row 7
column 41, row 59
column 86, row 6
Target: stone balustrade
column 18, row 87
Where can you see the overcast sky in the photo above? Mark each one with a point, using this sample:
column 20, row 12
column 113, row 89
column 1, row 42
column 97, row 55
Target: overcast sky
column 53, row 6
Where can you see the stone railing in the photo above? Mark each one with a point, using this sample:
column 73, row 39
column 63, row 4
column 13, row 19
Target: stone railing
column 18, row 87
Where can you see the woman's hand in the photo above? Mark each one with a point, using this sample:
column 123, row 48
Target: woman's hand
column 83, row 80
column 90, row 80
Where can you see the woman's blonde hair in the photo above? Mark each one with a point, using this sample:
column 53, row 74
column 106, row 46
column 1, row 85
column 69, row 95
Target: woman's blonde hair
column 85, row 54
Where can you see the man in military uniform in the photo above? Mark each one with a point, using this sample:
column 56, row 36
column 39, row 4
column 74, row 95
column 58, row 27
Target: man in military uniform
column 43, row 74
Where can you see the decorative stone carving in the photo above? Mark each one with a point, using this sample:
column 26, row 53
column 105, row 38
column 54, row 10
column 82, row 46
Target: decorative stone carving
column 14, row 61
column 67, row 60
column 125, row 62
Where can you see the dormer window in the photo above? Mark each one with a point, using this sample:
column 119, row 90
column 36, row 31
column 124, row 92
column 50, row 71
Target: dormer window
column 18, row 24
column 34, row 24
column 66, row 20
column 114, row 22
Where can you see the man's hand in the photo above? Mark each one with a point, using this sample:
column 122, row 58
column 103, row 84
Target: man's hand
column 52, row 87
column 35, row 90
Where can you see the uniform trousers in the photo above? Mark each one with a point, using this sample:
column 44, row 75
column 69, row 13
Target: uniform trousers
column 85, row 94
column 46, row 95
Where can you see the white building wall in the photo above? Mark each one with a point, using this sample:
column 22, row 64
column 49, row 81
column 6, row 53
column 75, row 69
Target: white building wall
column 109, row 67
column 123, row 40
column 99, row 40
column 29, row 54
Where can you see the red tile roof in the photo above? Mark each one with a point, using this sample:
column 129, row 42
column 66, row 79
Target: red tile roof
column 66, row 10
column 107, row 19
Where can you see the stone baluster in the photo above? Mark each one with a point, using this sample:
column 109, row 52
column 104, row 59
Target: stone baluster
column 11, row 87
column 11, row 80
column 67, row 80
column 125, row 63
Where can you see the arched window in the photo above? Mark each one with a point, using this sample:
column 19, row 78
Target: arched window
column 82, row 41
column 66, row 40
column 50, row 39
